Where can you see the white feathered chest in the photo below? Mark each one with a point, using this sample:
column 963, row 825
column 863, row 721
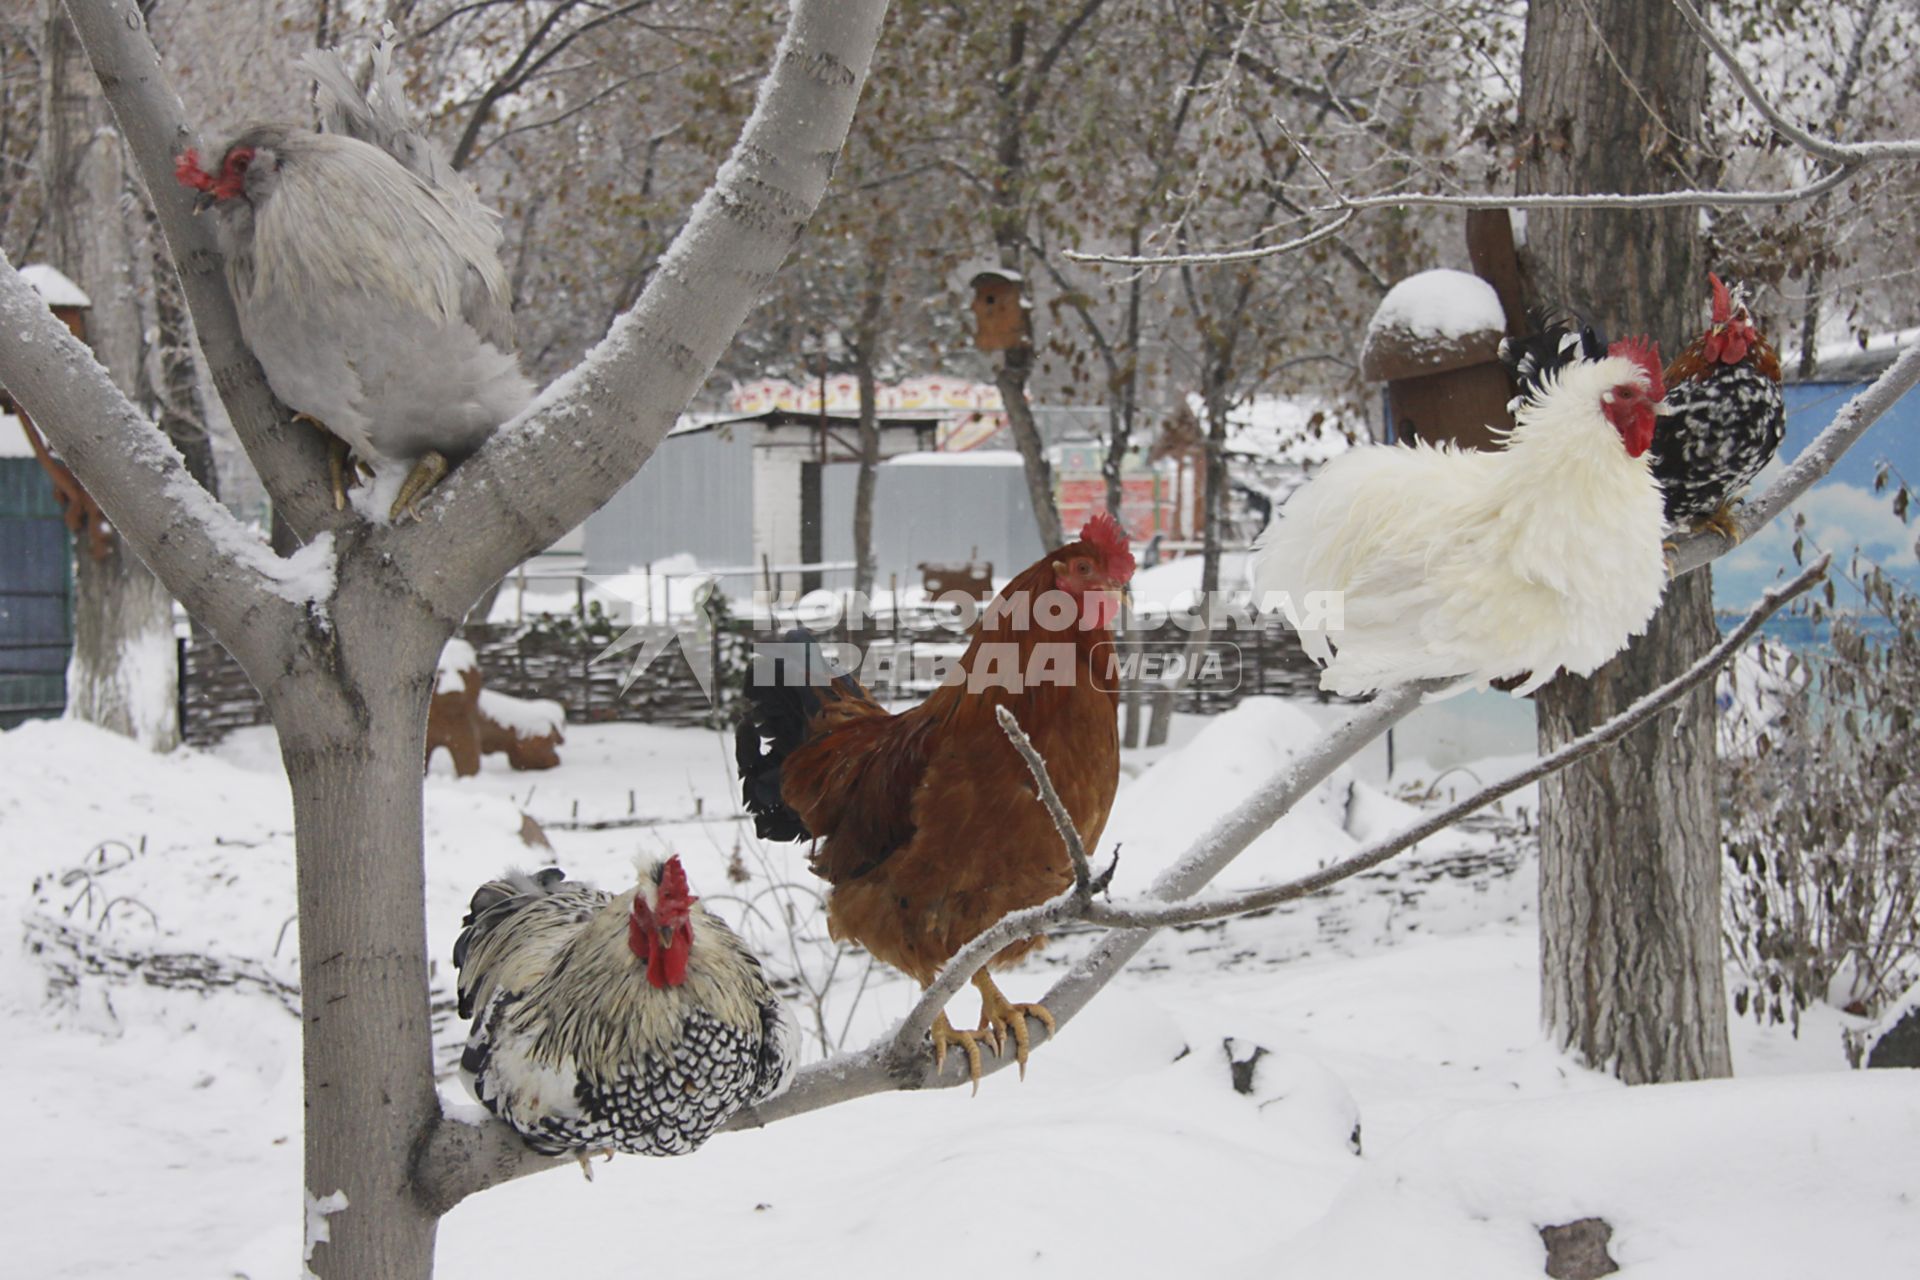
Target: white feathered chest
column 1478, row 566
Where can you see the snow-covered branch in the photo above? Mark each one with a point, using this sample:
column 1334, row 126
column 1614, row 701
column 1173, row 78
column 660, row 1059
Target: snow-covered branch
column 1218, row 256
column 291, row 458
column 1156, row 915
column 1348, row 207
column 1814, row 462
column 1843, row 158
column 1847, row 154
column 253, row 600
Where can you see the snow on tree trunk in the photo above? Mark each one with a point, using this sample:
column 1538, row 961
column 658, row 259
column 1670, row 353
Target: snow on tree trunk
column 123, row 672
column 1631, row 975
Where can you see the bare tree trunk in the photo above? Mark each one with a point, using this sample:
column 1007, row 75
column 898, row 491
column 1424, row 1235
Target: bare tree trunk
column 122, row 673
column 169, row 380
column 348, row 726
column 1011, row 378
column 863, row 484
column 866, row 347
column 1213, row 515
column 1631, row 975
column 1018, row 99
column 1213, row 501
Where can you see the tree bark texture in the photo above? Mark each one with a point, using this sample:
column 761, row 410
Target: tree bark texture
column 1011, row 378
column 1631, row 974
column 366, row 1043
column 863, row 483
column 866, row 348
column 121, row 675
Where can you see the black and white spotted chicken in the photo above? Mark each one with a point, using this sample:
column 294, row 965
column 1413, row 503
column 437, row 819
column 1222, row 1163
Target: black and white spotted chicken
column 633, row 1022
column 1723, row 419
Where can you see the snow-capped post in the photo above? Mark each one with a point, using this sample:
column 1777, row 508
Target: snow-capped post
column 342, row 640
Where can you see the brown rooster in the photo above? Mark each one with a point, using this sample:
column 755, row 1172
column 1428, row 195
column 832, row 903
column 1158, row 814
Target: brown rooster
column 927, row 823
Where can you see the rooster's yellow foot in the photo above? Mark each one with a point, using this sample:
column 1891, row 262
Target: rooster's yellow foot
column 1723, row 523
column 1007, row 1020
column 585, row 1157
column 945, row 1036
column 426, row 473
column 340, row 477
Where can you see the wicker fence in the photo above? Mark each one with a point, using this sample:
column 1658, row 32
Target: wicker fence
column 556, row 660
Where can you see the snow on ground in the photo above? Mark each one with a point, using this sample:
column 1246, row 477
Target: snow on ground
column 1397, row 1014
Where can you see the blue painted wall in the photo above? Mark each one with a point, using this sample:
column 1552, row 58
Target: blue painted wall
column 1842, row 511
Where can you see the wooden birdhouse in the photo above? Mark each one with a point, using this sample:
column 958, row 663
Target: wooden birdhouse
column 1435, row 342
column 999, row 311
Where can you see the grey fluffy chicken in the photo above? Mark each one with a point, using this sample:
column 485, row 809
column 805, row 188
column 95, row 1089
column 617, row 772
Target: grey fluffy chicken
column 632, row 1022
column 367, row 277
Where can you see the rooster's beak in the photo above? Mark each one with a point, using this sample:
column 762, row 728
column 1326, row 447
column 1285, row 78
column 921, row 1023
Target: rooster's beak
column 666, row 938
column 202, row 202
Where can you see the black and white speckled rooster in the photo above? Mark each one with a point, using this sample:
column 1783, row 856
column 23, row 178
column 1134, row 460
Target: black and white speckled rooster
column 631, row 1022
column 1723, row 419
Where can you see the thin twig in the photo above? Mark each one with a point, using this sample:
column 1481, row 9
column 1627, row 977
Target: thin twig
column 1155, row 915
column 1848, row 154
column 1215, row 258
column 1049, row 796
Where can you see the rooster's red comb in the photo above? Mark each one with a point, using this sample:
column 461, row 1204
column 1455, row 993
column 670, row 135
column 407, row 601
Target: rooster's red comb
column 188, row 173
column 673, row 883
column 1104, row 534
column 1644, row 352
column 1722, row 300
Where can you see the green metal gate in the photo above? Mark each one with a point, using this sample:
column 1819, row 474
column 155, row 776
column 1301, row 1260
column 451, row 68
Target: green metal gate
column 36, row 594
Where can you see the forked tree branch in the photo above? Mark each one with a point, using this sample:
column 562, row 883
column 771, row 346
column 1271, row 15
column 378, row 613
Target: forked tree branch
column 591, row 429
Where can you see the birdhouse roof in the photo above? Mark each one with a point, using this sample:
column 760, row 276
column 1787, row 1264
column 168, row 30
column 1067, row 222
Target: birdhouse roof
column 56, row 289
column 1433, row 322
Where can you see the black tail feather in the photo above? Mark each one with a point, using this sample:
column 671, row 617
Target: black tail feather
column 783, row 696
column 1535, row 359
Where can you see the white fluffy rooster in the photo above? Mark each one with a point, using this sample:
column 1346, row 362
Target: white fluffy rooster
column 1476, row 566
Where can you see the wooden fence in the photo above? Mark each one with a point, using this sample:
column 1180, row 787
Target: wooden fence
column 556, row 659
